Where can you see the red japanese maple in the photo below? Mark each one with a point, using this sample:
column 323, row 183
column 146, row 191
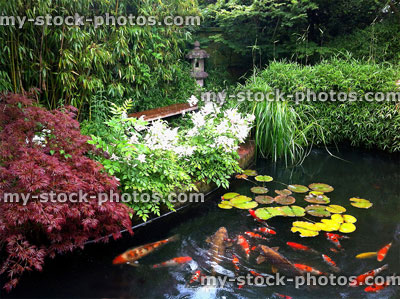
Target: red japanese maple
column 43, row 151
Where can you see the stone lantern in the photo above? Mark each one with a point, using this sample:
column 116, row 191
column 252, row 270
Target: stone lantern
column 197, row 56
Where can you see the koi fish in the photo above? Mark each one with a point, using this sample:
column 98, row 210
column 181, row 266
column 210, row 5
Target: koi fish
column 254, row 235
column 253, row 214
column 330, row 262
column 244, row 244
column 366, row 255
column 253, row 248
column 308, row 269
column 333, row 238
column 282, row 296
column 196, row 276
column 132, row 255
column 339, row 237
column 174, row 262
column 334, row 250
column 297, row 246
column 254, row 273
column 382, row 252
column 235, row 262
column 278, row 261
column 265, row 230
column 218, row 246
column 376, row 287
column 360, row 280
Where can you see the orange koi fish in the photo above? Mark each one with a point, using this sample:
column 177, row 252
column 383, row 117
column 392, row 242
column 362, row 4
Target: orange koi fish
column 382, row 252
column 339, row 237
column 360, row 280
column 196, row 276
column 132, row 255
column 254, row 273
column 253, row 214
column 253, row 248
column 265, row 230
column 330, row 262
column 308, row 269
column 244, row 244
column 282, row 296
column 174, row 262
column 376, row 287
column 254, row 235
column 235, row 261
column 333, row 238
column 297, row 246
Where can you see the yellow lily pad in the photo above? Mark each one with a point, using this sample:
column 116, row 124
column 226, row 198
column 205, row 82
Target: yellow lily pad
column 321, row 187
column 298, row 188
column 360, row 203
column 333, row 225
column 349, row 219
column 230, row 195
column 336, row 209
column 246, row 205
column 306, row 229
column 347, row 228
column 225, row 206
column 337, row 218
column 240, row 199
column 305, row 232
column 325, row 227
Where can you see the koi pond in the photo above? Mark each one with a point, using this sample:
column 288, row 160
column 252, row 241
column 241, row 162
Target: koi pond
column 357, row 174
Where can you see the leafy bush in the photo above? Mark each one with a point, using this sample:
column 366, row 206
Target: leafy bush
column 369, row 124
column 88, row 67
column 43, row 152
column 159, row 160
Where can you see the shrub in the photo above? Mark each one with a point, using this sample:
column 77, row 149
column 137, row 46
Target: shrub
column 42, row 152
column 159, row 160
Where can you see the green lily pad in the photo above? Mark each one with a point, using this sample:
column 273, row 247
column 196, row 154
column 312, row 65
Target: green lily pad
column 259, row 190
column 318, row 199
column 298, row 211
column 284, row 192
column 287, row 211
column 263, row 178
column 321, row 187
column 298, row 188
column 263, row 213
column 246, row 205
column 224, row 205
column 264, row 199
column 285, row 200
column 250, row 172
column 336, row 209
column 240, row 199
column 317, row 211
column 360, row 203
column 230, row 195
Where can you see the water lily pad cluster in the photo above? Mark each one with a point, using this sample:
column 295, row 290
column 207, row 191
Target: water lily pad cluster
column 235, row 200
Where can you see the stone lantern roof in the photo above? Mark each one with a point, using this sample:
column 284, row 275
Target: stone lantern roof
column 197, row 53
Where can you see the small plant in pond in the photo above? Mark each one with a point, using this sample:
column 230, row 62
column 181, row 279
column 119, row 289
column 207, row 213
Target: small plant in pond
column 42, row 152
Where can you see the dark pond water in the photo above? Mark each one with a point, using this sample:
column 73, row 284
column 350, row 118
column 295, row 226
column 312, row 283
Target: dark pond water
column 374, row 176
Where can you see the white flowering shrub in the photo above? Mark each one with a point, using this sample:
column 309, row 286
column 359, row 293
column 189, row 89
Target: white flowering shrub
column 154, row 158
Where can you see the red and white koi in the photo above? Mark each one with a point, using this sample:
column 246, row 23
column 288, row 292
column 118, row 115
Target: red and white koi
column 300, row 247
column 308, row 269
column 254, row 235
column 360, row 280
column 383, row 252
column 376, row 287
column 265, row 230
column 282, row 296
column 334, row 239
column 244, row 244
column 174, row 262
column 330, row 262
column 196, row 276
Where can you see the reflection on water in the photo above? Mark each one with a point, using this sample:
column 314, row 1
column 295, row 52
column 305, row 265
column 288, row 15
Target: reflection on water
column 373, row 176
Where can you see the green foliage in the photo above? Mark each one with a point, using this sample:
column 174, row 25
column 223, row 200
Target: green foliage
column 362, row 123
column 87, row 67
